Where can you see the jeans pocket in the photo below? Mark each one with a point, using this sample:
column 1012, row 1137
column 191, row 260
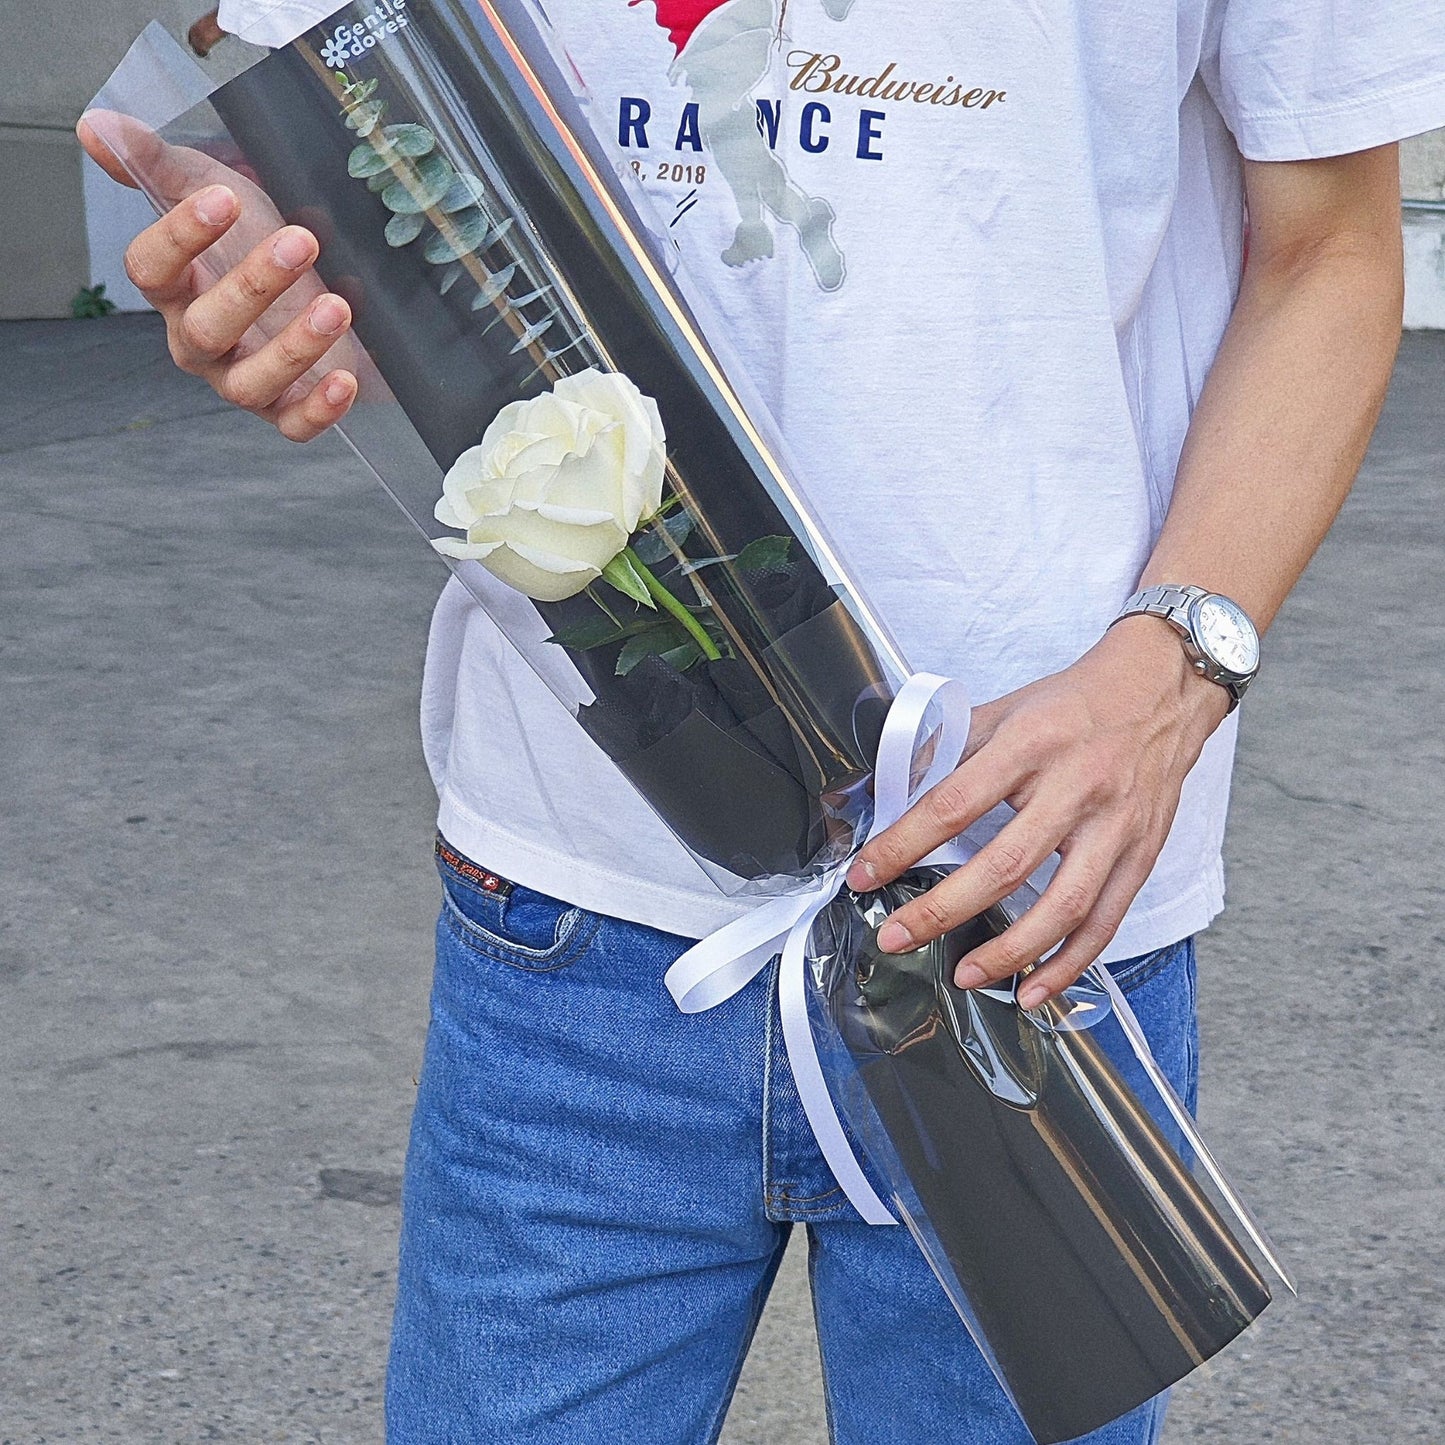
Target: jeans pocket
column 507, row 923
column 1134, row 973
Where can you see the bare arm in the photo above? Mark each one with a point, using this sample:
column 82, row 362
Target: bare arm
column 1093, row 758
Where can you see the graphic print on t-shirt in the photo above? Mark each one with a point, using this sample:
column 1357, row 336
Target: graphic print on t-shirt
column 724, row 51
column 838, row 104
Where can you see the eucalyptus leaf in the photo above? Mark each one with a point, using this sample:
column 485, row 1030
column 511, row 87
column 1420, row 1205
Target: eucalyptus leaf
column 366, row 161
column 420, row 191
column 410, row 140
column 360, row 91
column 653, row 546
column 494, row 286
column 530, row 297
column 765, row 554
column 462, row 234
column 450, row 277
column 364, row 119
column 624, row 577
column 466, row 191
column 688, row 568
column 403, row 230
column 534, row 333
column 380, row 181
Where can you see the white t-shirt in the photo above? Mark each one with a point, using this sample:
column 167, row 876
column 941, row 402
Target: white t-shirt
column 978, row 259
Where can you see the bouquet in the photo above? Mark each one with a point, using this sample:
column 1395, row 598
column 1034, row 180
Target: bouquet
column 557, row 416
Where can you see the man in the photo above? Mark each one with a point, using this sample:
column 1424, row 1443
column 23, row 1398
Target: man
column 986, row 262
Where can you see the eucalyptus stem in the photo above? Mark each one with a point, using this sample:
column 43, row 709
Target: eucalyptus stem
column 669, row 603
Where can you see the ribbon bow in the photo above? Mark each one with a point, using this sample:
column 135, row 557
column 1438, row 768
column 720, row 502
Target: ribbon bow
column 725, row 962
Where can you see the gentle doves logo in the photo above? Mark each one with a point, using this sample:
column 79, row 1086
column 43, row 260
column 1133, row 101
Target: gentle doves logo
column 352, row 40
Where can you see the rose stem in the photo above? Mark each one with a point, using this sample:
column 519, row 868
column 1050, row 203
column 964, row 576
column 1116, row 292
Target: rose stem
column 665, row 599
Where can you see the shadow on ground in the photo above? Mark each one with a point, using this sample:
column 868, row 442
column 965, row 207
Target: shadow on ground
column 214, row 946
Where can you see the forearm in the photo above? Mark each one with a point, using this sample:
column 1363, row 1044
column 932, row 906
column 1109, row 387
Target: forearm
column 1282, row 426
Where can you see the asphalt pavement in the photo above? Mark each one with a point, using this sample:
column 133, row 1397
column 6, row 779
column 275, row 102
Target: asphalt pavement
column 216, row 901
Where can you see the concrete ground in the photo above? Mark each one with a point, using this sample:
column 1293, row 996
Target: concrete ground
column 217, row 898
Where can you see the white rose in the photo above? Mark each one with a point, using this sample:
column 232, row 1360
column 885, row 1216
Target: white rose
column 557, row 486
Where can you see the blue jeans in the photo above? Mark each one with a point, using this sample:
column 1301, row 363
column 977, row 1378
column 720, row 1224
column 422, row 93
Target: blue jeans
column 599, row 1191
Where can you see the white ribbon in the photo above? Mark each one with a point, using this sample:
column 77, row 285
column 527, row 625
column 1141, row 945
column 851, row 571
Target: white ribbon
column 725, row 962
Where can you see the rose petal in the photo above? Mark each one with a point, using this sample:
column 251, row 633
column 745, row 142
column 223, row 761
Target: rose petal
column 463, row 550
column 572, row 516
column 645, row 453
column 467, row 501
column 591, row 481
column 540, row 575
column 595, row 545
column 447, row 514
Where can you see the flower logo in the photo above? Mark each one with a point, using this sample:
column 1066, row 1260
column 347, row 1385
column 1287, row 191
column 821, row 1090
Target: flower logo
column 336, row 50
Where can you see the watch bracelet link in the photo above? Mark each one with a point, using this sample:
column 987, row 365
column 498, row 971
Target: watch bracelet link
column 1161, row 601
column 1172, row 604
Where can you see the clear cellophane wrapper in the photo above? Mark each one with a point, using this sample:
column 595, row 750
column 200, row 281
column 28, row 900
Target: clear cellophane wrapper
column 495, row 257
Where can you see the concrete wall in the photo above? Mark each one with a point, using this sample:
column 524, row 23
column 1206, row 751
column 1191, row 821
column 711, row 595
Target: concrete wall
column 57, row 54
column 1422, row 180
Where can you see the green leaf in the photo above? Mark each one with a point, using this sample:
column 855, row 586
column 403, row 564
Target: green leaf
column 380, row 181
column 466, row 191
column 403, row 230
column 652, row 546
column 685, row 656
column 593, row 632
column 604, row 630
column 462, row 234
column 409, row 140
column 622, row 575
column 766, row 554
column 366, row 161
column 364, row 119
column 665, row 640
column 420, row 191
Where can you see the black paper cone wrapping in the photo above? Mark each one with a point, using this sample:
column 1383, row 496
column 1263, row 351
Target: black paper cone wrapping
column 723, row 659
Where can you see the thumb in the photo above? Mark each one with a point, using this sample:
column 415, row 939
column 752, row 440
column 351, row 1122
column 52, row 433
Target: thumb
column 89, row 131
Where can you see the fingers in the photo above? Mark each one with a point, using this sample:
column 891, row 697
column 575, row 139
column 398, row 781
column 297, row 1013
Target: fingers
column 217, row 319
column 159, row 259
column 1086, row 942
column 323, row 406
column 257, row 381
column 121, row 145
column 958, row 802
column 998, row 869
column 1065, row 907
column 89, row 133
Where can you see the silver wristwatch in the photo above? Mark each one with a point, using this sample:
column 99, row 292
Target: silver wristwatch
column 1219, row 639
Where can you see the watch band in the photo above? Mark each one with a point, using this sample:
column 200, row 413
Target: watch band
column 1172, row 603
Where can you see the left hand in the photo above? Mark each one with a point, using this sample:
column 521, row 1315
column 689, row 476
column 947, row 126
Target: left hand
column 1093, row 760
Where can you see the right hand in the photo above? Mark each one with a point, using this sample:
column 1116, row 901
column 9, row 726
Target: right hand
column 263, row 334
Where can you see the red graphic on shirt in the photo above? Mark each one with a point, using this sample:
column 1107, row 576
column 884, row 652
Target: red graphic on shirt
column 681, row 17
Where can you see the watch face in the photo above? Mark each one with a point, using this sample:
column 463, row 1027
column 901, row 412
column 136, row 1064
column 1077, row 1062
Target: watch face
column 1225, row 635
